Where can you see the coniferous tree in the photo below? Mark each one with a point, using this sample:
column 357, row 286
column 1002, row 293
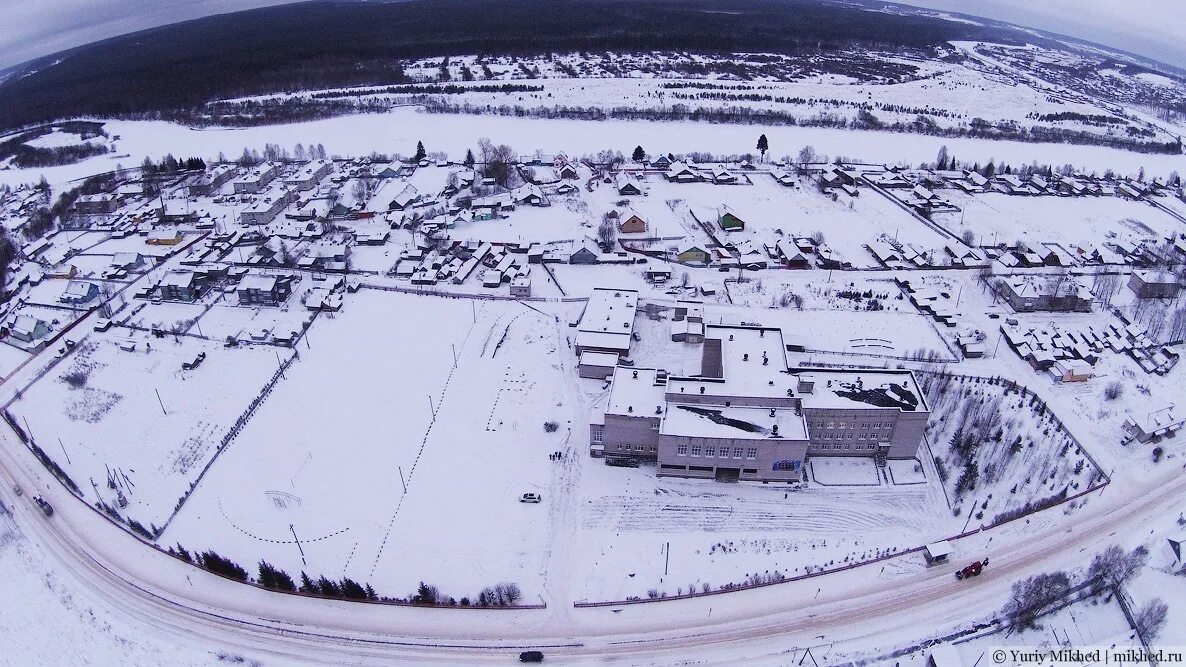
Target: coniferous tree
column 352, row 590
column 329, row 587
column 469, row 157
column 639, row 154
column 420, row 152
column 308, row 585
column 763, row 145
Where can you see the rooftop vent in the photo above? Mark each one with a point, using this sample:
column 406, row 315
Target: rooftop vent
column 771, row 412
column 634, row 374
column 774, row 430
column 629, row 408
column 658, row 409
column 701, row 389
column 745, row 357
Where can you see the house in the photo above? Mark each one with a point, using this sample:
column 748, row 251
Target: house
column 693, row 255
column 566, row 188
column 78, row 292
column 680, row 172
column 567, row 170
column 28, row 329
column 406, row 197
column 265, row 208
column 180, row 286
column 583, row 255
column 627, row 185
column 528, row 194
column 309, row 175
column 96, row 204
column 170, row 237
column 257, row 179
column 657, row 276
column 1130, row 190
column 1068, row 370
column 263, row 290
column 730, row 222
column 722, row 176
column 661, row 162
column 212, row 181
column 630, row 222
column 1046, row 293
column 1154, row 284
column 128, row 261
column 1153, row 426
column 784, row 178
column 521, row 286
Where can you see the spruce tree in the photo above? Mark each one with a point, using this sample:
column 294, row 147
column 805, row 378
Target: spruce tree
column 639, row 154
column 308, row 585
column 763, row 145
column 420, row 152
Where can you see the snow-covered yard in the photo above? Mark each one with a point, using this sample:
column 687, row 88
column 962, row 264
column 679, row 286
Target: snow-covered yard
column 326, row 459
column 141, row 416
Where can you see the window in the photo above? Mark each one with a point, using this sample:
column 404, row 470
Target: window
column 681, row 450
column 750, row 471
column 863, row 435
column 724, row 452
column 850, row 435
column 751, row 453
column 695, row 450
column 619, row 447
column 652, row 448
column 736, row 452
column 831, row 424
column 843, row 425
column 847, row 446
column 598, row 432
column 785, row 465
column 709, row 450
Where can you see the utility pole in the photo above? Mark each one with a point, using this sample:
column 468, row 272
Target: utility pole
column 667, row 559
column 64, row 450
column 454, row 354
column 969, row 519
column 431, row 408
column 298, row 543
column 158, row 399
column 401, row 479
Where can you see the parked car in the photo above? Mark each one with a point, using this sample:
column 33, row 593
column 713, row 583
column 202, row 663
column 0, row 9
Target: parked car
column 16, row 488
column 44, row 505
column 531, row 498
column 531, row 656
column 621, row 462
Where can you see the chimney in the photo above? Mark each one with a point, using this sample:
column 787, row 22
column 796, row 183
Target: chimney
column 701, row 389
column 745, row 357
column 774, row 430
column 771, row 412
column 629, row 408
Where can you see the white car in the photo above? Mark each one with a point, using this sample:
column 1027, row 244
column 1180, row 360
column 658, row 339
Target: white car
column 531, row 498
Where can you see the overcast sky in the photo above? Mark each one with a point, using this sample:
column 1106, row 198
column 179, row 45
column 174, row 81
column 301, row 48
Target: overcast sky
column 35, row 28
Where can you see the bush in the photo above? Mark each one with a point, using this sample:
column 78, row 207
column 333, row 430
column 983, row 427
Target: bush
column 76, row 378
column 1114, row 390
column 551, row 427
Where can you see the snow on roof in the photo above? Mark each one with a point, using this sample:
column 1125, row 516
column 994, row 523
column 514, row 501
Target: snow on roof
column 610, row 311
column 593, row 358
column 178, row 279
column 635, row 393
column 257, row 281
column 733, row 422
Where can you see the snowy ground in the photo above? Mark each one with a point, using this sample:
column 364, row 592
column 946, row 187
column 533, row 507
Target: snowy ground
column 325, row 455
column 995, row 218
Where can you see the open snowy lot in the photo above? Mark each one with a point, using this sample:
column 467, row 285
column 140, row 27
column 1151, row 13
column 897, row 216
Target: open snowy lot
column 995, row 218
column 327, row 457
column 141, row 416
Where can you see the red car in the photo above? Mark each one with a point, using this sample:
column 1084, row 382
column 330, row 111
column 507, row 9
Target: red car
column 972, row 570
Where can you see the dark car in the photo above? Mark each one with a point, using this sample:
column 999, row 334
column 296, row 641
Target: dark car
column 531, row 656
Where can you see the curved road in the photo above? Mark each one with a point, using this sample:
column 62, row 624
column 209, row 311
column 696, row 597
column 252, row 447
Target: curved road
column 192, row 605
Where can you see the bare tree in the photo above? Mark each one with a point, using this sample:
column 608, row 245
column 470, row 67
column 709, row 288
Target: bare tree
column 1032, row 597
column 1114, row 566
column 1150, row 619
column 607, row 232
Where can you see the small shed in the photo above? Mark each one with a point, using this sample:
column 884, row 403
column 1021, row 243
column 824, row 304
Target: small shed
column 937, row 552
column 597, row 365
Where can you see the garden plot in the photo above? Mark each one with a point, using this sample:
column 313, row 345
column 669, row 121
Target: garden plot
column 376, row 258
column 997, row 451
column 223, row 321
column 135, row 243
column 656, row 208
column 140, row 414
column 996, row 217
column 733, row 533
column 568, row 218
column 328, row 455
column 847, row 224
column 170, row 316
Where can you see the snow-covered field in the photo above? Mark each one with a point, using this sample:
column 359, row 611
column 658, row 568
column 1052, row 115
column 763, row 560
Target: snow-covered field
column 995, row 218
column 140, row 416
column 328, row 455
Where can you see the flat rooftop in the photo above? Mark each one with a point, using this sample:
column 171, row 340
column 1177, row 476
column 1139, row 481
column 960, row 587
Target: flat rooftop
column 634, row 393
column 749, row 361
column 610, row 311
column 742, row 423
column 859, row 388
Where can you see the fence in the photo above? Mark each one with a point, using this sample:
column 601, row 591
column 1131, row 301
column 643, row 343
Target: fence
column 897, row 554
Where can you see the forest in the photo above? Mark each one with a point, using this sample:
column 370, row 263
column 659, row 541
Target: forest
column 325, row 44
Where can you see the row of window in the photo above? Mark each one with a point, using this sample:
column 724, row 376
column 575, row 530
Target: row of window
column 842, row 425
column 637, row 448
column 848, row 446
column 832, row 435
column 710, row 451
